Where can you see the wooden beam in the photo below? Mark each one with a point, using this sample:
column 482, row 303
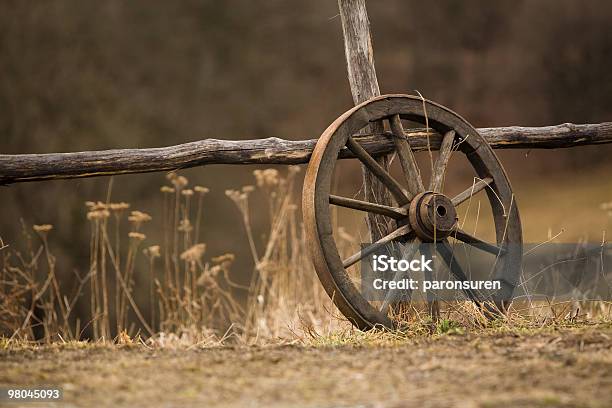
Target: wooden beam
column 15, row 168
column 364, row 85
column 358, row 50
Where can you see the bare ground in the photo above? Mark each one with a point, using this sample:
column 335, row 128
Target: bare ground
column 570, row 367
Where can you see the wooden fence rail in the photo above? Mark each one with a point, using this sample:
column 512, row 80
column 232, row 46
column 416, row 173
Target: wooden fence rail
column 18, row 168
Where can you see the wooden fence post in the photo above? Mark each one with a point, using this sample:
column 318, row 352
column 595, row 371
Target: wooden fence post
column 364, row 85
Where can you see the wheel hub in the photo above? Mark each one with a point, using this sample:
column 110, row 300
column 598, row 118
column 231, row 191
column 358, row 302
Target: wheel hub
column 432, row 216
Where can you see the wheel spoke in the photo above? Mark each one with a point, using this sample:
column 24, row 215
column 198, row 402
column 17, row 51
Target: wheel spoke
column 463, row 236
column 406, row 156
column 392, row 184
column 392, row 294
column 446, row 149
column 393, row 212
column 446, row 251
column 353, row 259
column 476, row 187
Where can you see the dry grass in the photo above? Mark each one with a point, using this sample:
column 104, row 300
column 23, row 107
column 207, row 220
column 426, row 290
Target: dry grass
column 548, row 367
column 286, row 344
column 191, row 299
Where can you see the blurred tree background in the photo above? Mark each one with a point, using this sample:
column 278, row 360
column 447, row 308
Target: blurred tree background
column 84, row 75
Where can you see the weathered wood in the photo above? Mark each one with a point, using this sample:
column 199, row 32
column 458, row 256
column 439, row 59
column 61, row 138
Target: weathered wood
column 346, row 202
column 364, row 85
column 325, row 247
column 466, row 237
column 378, row 171
column 548, row 137
column 34, row 167
column 446, row 148
column 358, row 50
column 406, row 157
column 356, row 257
column 472, row 190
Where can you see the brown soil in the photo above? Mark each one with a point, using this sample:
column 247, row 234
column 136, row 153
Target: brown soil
column 541, row 368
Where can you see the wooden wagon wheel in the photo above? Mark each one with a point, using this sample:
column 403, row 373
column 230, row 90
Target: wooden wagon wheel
column 422, row 213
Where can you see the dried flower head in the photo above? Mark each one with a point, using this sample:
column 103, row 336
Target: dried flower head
column 138, row 217
column 118, row 207
column 152, row 252
column 99, row 206
column 224, row 259
column 98, row 214
column 166, row 189
column 185, row 225
column 240, row 199
column 248, row 189
column 233, row 194
column 214, row 271
column 137, row 236
column 201, row 190
column 271, row 177
column 187, row 192
column 259, row 178
column 179, row 182
column 194, row 254
column 42, row 229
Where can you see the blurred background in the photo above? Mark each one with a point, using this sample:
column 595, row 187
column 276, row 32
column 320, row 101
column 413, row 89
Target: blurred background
column 85, row 75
